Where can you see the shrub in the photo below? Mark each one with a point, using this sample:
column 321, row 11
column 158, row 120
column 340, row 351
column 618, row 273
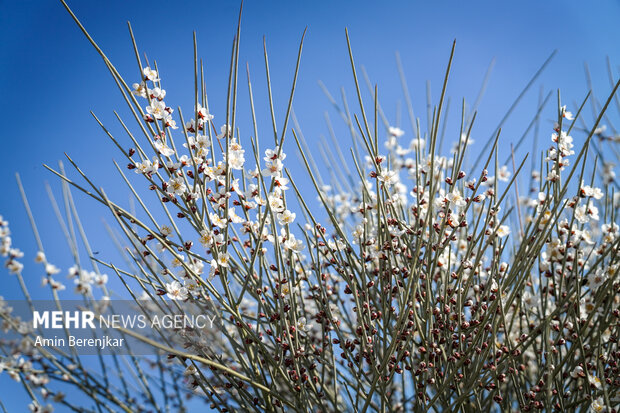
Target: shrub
column 418, row 282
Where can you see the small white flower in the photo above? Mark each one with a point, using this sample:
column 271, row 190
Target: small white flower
column 456, row 198
column 358, row 232
column 566, row 114
column 197, row 267
column 203, row 141
column 35, row 407
column 596, row 279
column 101, row 279
column 236, row 159
column 224, row 132
column 295, row 245
column 178, row 260
column 287, row 289
column 302, row 324
column 337, row 245
column 206, row 237
column 577, row 372
column 40, row 257
column 389, row 178
column 83, row 283
column 595, row 381
column 163, row 148
column 190, row 125
column 157, row 109
column 396, row 132
column 203, row 114
column 223, row 259
column 280, row 183
column 530, row 301
column 15, row 267
column 588, row 191
column 275, row 203
column 51, row 269
column 176, row 291
column 503, row 174
column 503, row 230
column 56, row 285
column 146, row 167
column 233, row 217
column 584, row 213
column 15, row 253
column 273, row 168
column 600, row 129
column 177, row 186
column 598, row 405
column 140, row 89
column 464, row 139
column 217, row 220
column 150, row 74
column 157, row 93
column 272, row 155
column 169, row 122
column 417, row 144
column 213, row 270
column 286, row 217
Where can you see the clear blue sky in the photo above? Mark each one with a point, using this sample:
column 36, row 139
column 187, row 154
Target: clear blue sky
column 50, row 77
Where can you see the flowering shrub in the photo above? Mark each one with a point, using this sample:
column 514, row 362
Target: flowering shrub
column 419, row 283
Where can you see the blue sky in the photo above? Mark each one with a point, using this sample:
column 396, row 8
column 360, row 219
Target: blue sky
column 50, row 77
